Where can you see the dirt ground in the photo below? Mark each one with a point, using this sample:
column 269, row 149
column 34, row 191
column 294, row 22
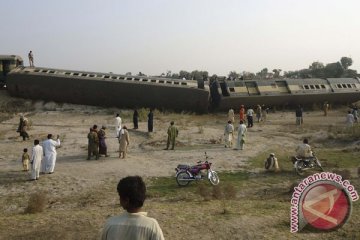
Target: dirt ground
column 74, row 175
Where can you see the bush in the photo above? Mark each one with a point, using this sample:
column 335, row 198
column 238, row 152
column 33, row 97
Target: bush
column 37, row 203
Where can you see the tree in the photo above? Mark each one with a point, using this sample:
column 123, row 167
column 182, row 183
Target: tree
column 233, row 75
column 317, row 69
column 333, row 70
column 263, row 73
column 276, row 72
column 185, row 74
column 346, row 62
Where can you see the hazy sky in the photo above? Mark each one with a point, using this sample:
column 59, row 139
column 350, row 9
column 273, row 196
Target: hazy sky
column 153, row 36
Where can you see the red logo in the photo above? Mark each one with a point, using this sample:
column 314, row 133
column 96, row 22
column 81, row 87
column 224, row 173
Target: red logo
column 326, row 206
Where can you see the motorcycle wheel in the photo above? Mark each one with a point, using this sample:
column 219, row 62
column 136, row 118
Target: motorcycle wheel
column 214, row 178
column 299, row 166
column 182, row 179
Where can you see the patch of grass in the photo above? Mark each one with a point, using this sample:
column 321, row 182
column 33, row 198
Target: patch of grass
column 338, row 158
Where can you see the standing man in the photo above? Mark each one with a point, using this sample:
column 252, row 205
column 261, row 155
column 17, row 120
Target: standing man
column 150, row 121
column 299, row 115
column 36, row 158
column 133, row 224
column 242, row 113
column 102, row 143
column 136, row 119
column 93, row 143
column 31, row 59
column 241, row 135
column 229, row 134
column 231, row 115
column 117, row 124
column 172, row 134
column 250, row 117
column 258, row 113
column 124, row 141
column 326, row 108
column 49, row 147
column 23, row 126
column 350, row 119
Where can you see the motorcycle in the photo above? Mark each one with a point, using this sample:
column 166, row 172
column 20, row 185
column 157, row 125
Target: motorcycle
column 303, row 164
column 186, row 173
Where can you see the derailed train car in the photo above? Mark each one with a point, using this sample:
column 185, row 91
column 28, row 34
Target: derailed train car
column 113, row 90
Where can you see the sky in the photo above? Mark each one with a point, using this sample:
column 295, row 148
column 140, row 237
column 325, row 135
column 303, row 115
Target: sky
column 155, row 36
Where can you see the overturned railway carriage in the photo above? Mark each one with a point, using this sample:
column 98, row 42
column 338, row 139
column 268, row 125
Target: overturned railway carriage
column 113, row 90
column 286, row 92
column 109, row 90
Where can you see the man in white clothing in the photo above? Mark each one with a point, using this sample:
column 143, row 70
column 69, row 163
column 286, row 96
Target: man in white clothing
column 133, row 224
column 49, row 147
column 229, row 134
column 117, row 124
column 36, row 158
column 241, row 135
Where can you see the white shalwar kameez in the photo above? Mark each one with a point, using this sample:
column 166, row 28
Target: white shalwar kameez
column 49, row 147
column 241, row 136
column 228, row 135
column 117, row 125
column 36, row 157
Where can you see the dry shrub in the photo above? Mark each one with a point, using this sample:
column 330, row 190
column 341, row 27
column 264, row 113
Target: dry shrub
column 229, row 191
column 217, row 192
column 37, row 202
column 204, row 192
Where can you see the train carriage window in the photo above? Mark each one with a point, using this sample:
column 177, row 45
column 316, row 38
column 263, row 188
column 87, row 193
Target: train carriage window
column 312, row 87
column 348, row 85
column 114, row 77
column 128, row 78
column 83, row 74
column 153, row 80
column 67, row 73
column 232, row 89
column 317, row 86
column 44, row 71
column 121, row 78
column 176, row 83
column 322, row 86
column 137, row 79
column 106, row 76
column 144, row 79
column 52, row 71
column 184, row 83
column 339, row 85
column 344, row 85
column 76, row 74
column 169, row 82
column 36, row 70
column 353, row 85
column 91, row 75
column 161, row 81
column 306, row 86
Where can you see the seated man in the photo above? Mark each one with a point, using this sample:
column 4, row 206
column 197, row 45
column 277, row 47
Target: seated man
column 304, row 150
column 133, row 224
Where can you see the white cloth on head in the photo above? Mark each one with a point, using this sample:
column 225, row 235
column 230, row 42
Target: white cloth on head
column 132, row 226
column 36, row 158
column 49, row 147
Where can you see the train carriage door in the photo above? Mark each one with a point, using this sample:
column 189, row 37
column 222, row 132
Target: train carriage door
column 252, row 88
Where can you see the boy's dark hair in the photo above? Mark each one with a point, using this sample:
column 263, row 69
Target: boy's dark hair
column 306, row 141
column 25, row 149
column 36, row 142
column 134, row 189
column 49, row 136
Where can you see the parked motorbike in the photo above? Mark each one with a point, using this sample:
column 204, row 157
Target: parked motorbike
column 303, row 164
column 186, row 173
